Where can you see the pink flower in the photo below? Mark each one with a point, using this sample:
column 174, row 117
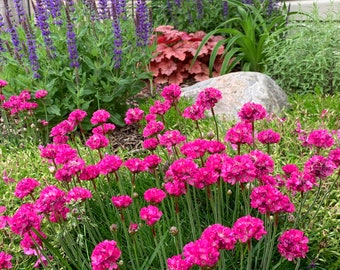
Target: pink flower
column 248, row 227
column 263, row 163
column 133, row 228
column 51, row 200
column 182, row 169
column 105, row 255
column 150, row 214
column 220, row 236
column 5, row 258
column 63, row 153
column 240, row 133
column 175, row 188
column 104, row 129
column 77, row 116
column 159, row 107
column 152, row 128
column 251, row 111
column 209, row 97
column 150, row 144
column 171, row 93
column 320, row 138
column 288, row 169
column 202, row 252
column 122, row 201
column 203, row 177
column 319, row 166
column 99, row 117
column 268, row 199
column 152, row 161
column 41, row 93
column 29, row 241
column 150, row 117
column 78, row 194
column 268, row 136
column 178, row 263
column 171, row 138
column 194, row 149
column 133, row 115
column 97, row 141
column 63, row 128
column 300, row 182
column 25, row 187
column 334, row 155
column 24, row 219
column 154, row 195
column 293, row 244
column 215, row 162
column 109, row 164
column 238, row 169
column 214, row 147
column 90, row 172
column 3, row 83
column 2, row 209
column 194, row 112
column 136, row 165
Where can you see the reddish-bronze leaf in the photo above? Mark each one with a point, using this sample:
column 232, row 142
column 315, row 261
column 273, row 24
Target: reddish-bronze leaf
column 167, row 67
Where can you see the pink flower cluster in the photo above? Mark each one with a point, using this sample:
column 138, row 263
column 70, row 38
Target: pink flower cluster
column 122, row 201
column 268, row 199
column 16, row 104
column 25, row 187
column 154, row 195
column 251, row 112
column 150, row 214
column 99, row 117
column 268, row 136
column 208, row 98
column 41, row 93
column 105, row 255
column 240, row 133
column 320, row 138
column 171, row 93
column 133, row 115
column 293, row 244
column 248, row 227
column 5, row 258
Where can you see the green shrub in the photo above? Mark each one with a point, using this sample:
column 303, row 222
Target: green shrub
column 101, row 66
column 308, row 58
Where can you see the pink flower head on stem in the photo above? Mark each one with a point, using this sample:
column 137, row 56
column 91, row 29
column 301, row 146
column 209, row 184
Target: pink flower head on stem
column 63, row 128
column 203, row 177
column 133, row 115
column 248, row 227
column 194, row 112
column 25, row 187
column 268, row 199
column 334, row 156
column 171, row 138
column 105, row 255
column 182, row 169
column 3, row 83
column 268, row 136
column 152, row 161
column 240, row 133
column 90, row 172
column 77, row 116
column 320, row 139
column 5, row 258
column 202, row 252
column 175, row 188
column 150, row 214
column 209, row 97
column 319, row 166
column 178, row 263
column 122, row 201
column 171, row 93
column 97, row 141
column 160, row 108
column 293, row 244
column 150, row 144
column 263, row 163
column 41, row 93
column 154, row 195
column 194, row 149
column 153, row 128
column 136, row 165
column 251, row 112
column 78, row 194
column 300, row 182
column 24, row 219
column 220, row 236
column 109, row 164
column 99, row 117
column 104, row 129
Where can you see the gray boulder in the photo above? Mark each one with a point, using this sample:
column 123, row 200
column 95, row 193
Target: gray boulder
column 239, row 88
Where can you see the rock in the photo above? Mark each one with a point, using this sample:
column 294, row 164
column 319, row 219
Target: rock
column 241, row 87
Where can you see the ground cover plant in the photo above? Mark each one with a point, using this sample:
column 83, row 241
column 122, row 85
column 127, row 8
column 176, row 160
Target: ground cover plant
column 184, row 200
column 85, row 56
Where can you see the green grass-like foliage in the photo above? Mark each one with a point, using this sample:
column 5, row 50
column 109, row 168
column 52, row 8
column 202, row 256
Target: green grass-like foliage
column 307, row 60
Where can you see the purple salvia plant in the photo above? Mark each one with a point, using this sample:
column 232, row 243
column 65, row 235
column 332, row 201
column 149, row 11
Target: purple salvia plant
column 92, row 8
column 102, row 5
column 272, row 6
column 71, row 40
column 2, row 48
column 55, row 10
column 177, row 3
column 20, row 10
column 13, row 32
column 225, row 9
column 199, row 6
column 118, row 41
column 142, row 23
column 248, row 2
column 41, row 19
column 32, row 52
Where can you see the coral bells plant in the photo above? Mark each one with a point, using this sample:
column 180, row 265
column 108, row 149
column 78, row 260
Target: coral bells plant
column 184, row 200
column 175, row 51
